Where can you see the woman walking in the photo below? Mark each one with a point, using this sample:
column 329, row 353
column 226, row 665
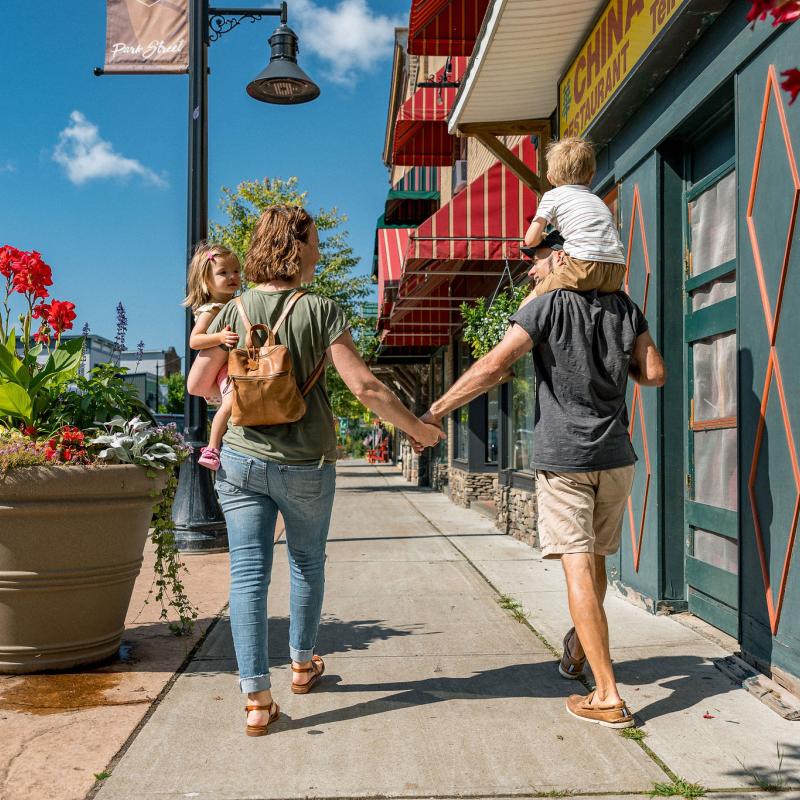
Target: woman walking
column 287, row 468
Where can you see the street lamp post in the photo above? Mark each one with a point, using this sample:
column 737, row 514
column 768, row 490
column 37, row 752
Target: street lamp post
column 198, row 522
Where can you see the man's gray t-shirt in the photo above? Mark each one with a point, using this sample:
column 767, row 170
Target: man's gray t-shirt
column 583, row 344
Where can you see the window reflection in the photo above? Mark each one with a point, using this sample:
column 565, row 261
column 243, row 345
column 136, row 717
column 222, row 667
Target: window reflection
column 522, row 414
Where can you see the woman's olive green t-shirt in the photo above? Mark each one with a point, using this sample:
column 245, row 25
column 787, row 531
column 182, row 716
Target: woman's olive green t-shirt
column 308, row 331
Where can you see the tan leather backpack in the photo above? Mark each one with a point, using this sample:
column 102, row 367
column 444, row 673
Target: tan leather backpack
column 265, row 391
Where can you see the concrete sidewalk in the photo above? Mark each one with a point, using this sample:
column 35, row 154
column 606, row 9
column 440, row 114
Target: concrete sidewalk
column 433, row 690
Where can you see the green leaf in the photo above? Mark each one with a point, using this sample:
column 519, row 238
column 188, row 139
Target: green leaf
column 14, row 400
column 63, row 362
column 12, row 368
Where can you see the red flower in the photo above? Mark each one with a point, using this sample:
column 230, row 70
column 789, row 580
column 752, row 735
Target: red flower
column 42, row 336
column 8, row 260
column 41, row 311
column 49, row 453
column 791, row 83
column 787, row 11
column 782, row 11
column 759, row 10
column 29, row 430
column 32, row 275
column 60, row 315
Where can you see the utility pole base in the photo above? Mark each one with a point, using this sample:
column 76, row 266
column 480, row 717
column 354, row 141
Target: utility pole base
column 198, row 522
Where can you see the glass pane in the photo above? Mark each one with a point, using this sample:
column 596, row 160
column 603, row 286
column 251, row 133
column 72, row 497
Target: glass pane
column 719, row 551
column 523, row 405
column 715, row 377
column 715, row 292
column 492, row 423
column 715, row 473
column 712, row 217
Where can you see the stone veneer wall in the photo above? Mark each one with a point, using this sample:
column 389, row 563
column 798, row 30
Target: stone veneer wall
column 468, row 486
column 516, row 513
column 410, row 462
column 440, row 477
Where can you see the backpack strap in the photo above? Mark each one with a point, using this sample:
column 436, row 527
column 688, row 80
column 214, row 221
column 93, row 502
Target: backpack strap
column 314, row 377
column 249, row 344
column 290, row 304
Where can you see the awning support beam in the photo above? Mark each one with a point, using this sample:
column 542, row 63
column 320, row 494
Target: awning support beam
column 487, row 132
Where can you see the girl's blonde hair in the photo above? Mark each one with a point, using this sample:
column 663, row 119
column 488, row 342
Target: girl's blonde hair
column 570, row 161
column 274, row 252
column 203, row 258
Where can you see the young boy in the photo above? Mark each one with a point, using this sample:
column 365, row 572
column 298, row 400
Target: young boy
column 593, row 254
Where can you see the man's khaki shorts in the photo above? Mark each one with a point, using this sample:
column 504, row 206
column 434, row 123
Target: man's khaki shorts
column 581, row 512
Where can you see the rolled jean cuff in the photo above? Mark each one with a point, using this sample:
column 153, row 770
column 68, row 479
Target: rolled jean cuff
column 258, row 683
column 300, row 656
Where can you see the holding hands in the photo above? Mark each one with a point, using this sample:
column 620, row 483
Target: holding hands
column 428, row 432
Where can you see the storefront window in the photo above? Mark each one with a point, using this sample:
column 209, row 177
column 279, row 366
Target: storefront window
column 462, row 415
column 522, row 414
column 492, row 424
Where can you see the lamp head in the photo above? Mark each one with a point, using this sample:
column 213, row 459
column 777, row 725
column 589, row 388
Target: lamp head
column 282, row 81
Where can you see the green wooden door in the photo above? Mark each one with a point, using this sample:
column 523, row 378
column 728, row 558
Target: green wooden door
column 711, row 497
column 638, row 563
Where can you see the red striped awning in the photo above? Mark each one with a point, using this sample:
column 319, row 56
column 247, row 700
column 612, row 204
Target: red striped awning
column 391, row 246
column 486, row 221
column 428, row 323
column 445, row 27
column 420, row 131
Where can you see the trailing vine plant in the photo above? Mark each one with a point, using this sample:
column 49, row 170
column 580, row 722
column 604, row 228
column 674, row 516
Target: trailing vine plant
column 485, row 325
column 155, row 448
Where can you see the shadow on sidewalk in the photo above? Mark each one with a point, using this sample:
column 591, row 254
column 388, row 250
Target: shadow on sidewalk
column 782, row 774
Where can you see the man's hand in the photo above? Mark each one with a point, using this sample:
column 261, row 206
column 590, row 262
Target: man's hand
column 429, row 419
column 228, row 337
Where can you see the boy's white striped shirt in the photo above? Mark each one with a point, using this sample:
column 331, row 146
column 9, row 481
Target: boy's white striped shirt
column 585, row 222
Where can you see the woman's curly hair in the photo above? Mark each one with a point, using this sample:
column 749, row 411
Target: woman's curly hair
column 274, row 252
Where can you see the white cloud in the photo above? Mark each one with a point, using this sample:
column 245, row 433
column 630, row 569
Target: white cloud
column 7, row 166
column 350, row 37
column 86, row 156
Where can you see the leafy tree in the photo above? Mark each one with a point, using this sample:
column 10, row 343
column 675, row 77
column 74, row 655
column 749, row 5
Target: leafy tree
column 176, row 392
column 335, row 276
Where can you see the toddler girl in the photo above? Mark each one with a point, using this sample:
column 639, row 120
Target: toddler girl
column 214, row 278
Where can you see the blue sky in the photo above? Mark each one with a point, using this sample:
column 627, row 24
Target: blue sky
column 112, row 239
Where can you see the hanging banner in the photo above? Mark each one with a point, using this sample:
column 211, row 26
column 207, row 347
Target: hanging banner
column 147, row 36
column 623, row 34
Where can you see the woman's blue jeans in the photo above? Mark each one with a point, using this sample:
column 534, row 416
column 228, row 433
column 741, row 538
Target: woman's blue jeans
column 251, row 492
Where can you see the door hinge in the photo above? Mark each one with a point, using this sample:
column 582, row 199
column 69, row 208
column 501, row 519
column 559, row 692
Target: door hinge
column 687, row 263
column 688, row 482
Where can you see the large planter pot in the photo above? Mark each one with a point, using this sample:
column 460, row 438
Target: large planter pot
column 71, row 545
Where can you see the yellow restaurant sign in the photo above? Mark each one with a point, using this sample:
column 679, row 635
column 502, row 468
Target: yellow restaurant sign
column 621, row 36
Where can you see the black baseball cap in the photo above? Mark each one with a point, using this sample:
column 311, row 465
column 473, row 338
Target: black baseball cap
column 553, row 241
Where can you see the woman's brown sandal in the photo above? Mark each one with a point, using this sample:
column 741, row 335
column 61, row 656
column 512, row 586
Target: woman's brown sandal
column 317, row 668
column 261, row 730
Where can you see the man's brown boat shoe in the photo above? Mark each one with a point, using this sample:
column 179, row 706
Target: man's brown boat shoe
column 610, row 716
column 569, row 667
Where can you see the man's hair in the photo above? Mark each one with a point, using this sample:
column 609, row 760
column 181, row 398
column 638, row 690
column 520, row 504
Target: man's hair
column 274, row 252
column 570, row 161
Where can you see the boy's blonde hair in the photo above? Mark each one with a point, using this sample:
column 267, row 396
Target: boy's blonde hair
column 274, row 252
column 203, row 258
column 570, row 161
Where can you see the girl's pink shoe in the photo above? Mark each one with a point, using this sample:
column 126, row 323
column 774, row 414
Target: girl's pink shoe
column 209, row 457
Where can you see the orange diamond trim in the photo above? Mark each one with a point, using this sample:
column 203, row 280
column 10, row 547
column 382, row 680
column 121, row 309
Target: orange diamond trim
column 637, row 536
column 772, row 320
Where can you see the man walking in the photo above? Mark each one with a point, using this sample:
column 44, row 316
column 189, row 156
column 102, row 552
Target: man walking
column 585, row 345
